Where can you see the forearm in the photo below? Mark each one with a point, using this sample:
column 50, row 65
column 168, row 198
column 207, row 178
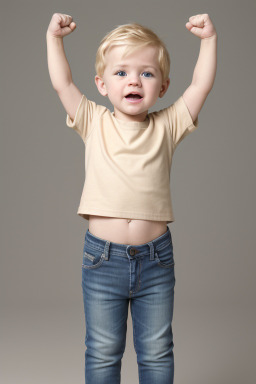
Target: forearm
column 58, row 66
column 205, row 69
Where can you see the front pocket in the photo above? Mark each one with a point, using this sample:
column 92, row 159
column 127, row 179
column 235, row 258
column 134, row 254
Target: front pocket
column 164, row 257
column 93, row 259
column 90, row 257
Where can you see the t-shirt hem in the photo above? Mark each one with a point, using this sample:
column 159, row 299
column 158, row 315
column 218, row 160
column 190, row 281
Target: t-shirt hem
column 125, row 214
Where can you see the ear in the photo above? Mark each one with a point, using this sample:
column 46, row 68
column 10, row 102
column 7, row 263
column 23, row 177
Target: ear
column 101, row 85
column 164, row 87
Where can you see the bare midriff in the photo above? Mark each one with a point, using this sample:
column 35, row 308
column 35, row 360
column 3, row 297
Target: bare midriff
column 126, row 231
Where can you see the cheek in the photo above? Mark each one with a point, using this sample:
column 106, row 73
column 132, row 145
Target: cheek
column 114, row 88
column 154, row 92
column 114, row 94
column 153, row 86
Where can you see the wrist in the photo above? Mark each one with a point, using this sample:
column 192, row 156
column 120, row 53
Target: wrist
column 49, row 35
column 213, row 37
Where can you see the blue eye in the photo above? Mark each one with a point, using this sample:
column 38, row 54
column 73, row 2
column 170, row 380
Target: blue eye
column 123, row 73
column 150, row 74
column 120, row 72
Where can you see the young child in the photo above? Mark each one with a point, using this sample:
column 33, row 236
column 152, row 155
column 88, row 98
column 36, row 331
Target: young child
column 128, row 250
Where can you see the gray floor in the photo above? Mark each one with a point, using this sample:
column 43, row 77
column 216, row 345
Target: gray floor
column 46, row 346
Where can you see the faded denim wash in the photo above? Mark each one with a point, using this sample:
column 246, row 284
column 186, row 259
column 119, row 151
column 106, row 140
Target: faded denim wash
column 113, row 275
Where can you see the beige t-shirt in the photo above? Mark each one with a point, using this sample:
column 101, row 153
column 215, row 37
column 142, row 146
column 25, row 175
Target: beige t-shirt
column 128, row 164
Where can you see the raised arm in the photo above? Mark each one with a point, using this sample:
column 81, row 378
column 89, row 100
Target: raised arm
column 59, row 69
column 205, row 69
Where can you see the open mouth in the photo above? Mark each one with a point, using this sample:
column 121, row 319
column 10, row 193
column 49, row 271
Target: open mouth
column 133, row 96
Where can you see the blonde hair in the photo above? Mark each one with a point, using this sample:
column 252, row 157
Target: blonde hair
column 134, row 36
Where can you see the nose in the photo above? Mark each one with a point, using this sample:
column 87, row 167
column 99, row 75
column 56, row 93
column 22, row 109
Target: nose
column 135, row 80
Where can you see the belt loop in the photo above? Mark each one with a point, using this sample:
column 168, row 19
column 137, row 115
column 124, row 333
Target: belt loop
column 106, row 250
column 152, row 251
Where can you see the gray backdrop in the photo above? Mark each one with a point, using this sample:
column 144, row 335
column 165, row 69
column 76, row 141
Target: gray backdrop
column 212, row 184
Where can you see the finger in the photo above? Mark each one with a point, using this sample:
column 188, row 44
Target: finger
column 189, row 25
column 69, row 17
column 66, row 20
column 201, row 15
column 197, row 20
column 196, row 31
column 68, row 29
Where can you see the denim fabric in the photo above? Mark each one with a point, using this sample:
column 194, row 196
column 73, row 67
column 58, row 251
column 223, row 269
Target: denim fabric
column 112, row 276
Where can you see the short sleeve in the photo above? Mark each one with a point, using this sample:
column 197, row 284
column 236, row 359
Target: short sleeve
column 180, row 121
column 82, row 123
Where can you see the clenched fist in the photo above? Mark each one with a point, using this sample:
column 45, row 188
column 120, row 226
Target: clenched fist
column 201, row 26
column 61, row 25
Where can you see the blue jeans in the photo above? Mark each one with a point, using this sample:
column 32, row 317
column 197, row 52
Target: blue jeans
column 113, row 275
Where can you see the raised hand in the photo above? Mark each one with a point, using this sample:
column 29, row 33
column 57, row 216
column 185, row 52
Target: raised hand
column 201, row 26
column 61, row 25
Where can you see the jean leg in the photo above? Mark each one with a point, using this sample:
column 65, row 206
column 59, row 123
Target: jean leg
column 106, row 325
column 152, row 314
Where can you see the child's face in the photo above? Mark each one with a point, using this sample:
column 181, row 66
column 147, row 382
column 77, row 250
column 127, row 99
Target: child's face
column 137, row 73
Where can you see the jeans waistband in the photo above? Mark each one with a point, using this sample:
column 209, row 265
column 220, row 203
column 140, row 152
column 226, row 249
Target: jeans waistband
column 128, row 250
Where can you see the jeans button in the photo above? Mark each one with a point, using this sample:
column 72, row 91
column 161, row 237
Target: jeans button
column 132, row 251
